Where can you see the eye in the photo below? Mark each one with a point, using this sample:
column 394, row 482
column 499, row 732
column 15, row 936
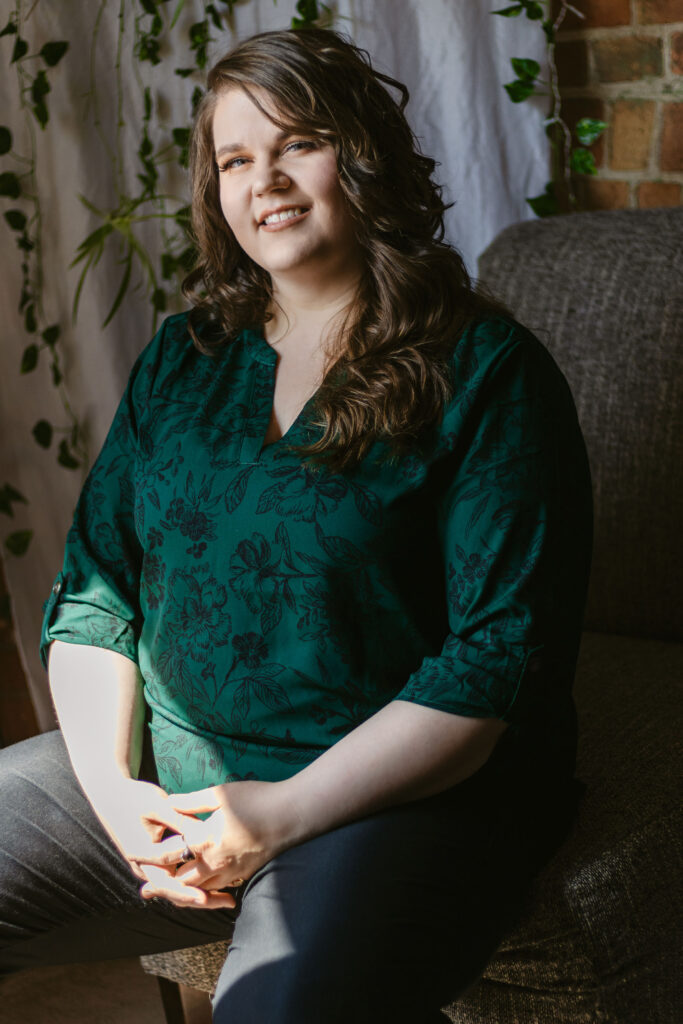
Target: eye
column 299, row 144
column 232, row 164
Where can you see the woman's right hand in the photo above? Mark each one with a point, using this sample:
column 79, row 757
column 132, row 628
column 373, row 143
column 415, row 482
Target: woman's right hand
column 136, row 815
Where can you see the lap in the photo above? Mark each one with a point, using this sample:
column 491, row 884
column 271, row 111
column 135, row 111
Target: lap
column 386, row 918
column 389, row 916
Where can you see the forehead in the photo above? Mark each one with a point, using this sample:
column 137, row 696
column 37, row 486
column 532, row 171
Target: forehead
column 241, row 113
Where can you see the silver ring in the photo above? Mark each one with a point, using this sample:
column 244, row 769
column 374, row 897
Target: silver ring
column 186, row 855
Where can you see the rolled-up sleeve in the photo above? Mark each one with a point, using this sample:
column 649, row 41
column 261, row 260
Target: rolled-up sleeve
column 95, row 598
column 515, row 527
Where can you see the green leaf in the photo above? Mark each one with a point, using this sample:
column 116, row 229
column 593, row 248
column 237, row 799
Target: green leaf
column 42, row 433
column 214, row 15
column 51, row 334
column 181, row 139
column 9, row 185
column 65, row 457
column 582, row 161
column 168, row 265
column 29, row 359
column 149, row 7
column 16, row 219
column 52, row 53
column 17, row 543
column 148, row 104
column 159, row 300
column 20, row 49
column 197, row 96
column 546, row 204
column 525, row 69
column 534, row 11
column 30, row 319
column 123, row 288
column 5, row 140
column 509, row 12
column 40, row 87
column 588, row 129
column 182, row 217
column 40, row 112
column 519, row 91
column 187, row 258
column 184, row 72
column 56, row 374
column 25, row 244
column 308, row 9
column 8, row 494
column 147, row 49
column 10, row 29
column 549, row 31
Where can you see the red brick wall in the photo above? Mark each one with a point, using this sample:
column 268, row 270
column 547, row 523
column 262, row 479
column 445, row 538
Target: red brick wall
column 624, row 65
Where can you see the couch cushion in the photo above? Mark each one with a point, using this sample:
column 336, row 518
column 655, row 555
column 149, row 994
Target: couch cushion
column 601, row 939
column 604, row 291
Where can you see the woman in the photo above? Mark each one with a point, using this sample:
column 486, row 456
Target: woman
column 332, row 563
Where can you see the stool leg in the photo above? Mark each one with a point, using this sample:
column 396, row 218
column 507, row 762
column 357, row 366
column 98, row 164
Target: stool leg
column 172, row 1003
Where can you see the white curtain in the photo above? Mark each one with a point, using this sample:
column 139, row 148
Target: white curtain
column 452, row 54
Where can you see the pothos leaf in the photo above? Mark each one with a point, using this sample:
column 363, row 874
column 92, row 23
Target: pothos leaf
column 582, row 161
column 525, row 69
column 5, row 140
column 509, row 12
column 29, row 359
column 588, row 129
column 546, row 204
column 16, row 219
column 52, row 53
column 20, row 49
column 519, row 91
column 9, row 185
column 42, row 432
column 17, row 543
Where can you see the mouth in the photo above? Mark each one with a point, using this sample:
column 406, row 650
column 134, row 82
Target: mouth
column 283, row 217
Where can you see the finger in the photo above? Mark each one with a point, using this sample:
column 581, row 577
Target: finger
column 182, row 896
column 199, row 802
column 168, row 853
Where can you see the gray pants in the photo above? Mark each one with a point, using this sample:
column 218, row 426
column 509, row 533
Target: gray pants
column 387, row 918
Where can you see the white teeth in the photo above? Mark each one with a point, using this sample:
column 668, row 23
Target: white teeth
column 275, row 218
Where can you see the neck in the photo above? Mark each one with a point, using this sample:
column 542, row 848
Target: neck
column 313, row 312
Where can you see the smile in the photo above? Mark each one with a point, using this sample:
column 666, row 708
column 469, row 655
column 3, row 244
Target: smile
column 282, row 217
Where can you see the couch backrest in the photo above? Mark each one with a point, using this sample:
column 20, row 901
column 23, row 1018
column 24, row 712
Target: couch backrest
column 604, row 292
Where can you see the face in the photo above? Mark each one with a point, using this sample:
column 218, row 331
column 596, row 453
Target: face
column 280, row 194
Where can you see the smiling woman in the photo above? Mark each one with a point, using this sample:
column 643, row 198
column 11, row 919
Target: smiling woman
column 329, row 570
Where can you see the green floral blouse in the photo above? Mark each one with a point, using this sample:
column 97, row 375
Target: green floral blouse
column 272, row 607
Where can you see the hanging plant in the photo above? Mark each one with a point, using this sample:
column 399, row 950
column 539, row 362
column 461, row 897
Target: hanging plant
column 136, row 203
column 570, row 153
column 19, row 185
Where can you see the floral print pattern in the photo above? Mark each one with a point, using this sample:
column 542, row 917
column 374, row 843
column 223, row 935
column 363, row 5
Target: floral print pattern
column 272, row 607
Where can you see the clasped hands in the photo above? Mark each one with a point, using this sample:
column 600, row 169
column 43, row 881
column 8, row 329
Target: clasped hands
column 247, row 825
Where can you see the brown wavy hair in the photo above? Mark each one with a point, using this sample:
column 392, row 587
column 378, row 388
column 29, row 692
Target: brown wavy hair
column 390, row 377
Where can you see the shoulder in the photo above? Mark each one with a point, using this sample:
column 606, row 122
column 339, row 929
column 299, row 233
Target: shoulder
column 504, row 380
column 499, row 355
column 171, row 351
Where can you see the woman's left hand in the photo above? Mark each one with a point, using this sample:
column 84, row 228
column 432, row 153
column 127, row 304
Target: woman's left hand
column 249, row 823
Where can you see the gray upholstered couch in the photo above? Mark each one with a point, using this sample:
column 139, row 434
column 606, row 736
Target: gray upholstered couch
column 601, row 941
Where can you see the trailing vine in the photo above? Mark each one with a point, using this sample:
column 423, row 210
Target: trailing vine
column 570, row 154
column 20, row 186
column 143, row 200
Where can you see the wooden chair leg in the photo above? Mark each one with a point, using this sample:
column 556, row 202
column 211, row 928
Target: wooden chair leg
column 172, row 1003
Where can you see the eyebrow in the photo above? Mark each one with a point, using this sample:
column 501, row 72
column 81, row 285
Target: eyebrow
column 236, row 147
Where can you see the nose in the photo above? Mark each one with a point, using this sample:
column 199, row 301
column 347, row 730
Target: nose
column 270, row 177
